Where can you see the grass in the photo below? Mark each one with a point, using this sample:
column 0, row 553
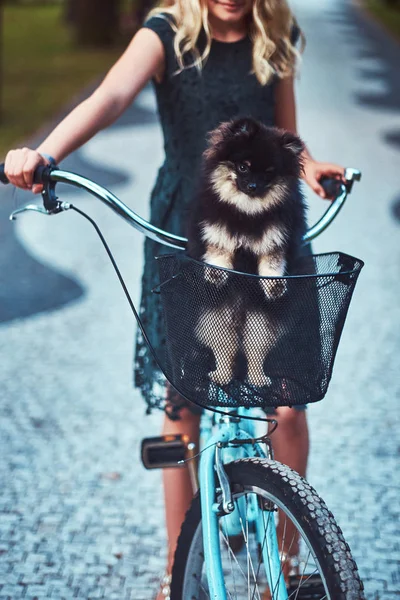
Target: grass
column 42, row 70
column 389, row 17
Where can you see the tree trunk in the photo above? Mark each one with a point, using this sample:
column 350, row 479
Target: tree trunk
column 97, row 22
column 140, row 8
column 71, row 11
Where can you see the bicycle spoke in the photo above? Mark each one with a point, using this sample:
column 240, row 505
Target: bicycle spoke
column 284, row 564
column 261, row 552
column 248, row 552
column 230, row 561
column 233, row 555
column 302, row 575
column 249, row 560
column 283, row 545
column 280, row 572
column 203, row 589
column 283, row 538
column 251, row 573
column 232, row 572
column 269, row 562
column 305, row 581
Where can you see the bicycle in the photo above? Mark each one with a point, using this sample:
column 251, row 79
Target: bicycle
column 255, row 529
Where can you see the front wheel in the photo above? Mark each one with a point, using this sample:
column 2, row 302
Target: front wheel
column 314, row 558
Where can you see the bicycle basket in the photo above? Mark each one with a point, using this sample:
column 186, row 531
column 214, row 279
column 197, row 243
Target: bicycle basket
column 234, row 339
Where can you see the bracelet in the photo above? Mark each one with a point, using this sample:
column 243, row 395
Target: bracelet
column 51, row 160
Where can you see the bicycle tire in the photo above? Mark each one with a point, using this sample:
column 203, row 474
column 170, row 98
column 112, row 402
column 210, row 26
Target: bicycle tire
column 315, row 522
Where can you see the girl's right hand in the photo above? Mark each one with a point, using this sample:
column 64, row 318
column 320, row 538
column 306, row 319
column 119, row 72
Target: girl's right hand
column 20, row 166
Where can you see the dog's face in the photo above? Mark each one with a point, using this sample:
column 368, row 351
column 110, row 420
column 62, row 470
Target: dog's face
column 252, row 176
column 250, row 164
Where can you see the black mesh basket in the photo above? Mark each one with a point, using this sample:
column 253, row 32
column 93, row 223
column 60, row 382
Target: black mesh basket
column 234, row 339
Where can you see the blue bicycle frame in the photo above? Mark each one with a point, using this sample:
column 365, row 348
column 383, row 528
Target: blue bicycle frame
column 216, row 453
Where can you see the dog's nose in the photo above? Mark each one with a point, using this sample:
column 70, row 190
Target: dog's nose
column 252, row 187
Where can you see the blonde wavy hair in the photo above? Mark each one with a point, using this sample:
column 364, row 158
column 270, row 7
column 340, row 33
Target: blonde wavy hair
column 270, row 27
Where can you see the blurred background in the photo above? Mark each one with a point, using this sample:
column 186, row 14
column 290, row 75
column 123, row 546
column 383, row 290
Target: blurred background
column 79, row 516
column 70, row 42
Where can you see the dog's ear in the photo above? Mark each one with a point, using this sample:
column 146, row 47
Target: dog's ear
column 218, row 135
column 235, row 130
column 243, row 126
column 226, row 132
column 230, row 129
column 292, row 143
column 215, row 140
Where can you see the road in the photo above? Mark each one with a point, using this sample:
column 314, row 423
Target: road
column 79, row 515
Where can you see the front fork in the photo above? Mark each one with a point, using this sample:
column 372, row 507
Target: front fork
column 212, row 462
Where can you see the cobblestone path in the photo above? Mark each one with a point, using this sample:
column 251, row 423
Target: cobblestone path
column 79, row 516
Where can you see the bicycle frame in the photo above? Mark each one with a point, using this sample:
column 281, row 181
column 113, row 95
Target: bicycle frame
column 216, row 501
column 217, row 453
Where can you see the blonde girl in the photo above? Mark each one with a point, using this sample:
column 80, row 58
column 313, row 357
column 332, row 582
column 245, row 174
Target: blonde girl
column 209, row 60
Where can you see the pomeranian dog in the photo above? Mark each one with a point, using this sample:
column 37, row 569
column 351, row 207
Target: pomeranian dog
column 248, row 215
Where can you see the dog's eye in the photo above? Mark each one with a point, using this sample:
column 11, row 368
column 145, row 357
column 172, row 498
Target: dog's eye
column 243, row 168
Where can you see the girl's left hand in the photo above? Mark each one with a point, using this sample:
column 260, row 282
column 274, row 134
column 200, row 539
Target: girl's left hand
column 314, row 170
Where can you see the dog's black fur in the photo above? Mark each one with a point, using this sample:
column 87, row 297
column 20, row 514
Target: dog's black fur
column 275, row 168
column 249, row 215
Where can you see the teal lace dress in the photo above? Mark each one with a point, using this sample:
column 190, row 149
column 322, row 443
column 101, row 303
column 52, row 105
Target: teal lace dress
column 190, row 105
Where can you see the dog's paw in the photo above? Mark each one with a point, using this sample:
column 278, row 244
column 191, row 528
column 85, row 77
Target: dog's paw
column 258, row 378
column 273, row 288
column 215, row 276
column 221, row 376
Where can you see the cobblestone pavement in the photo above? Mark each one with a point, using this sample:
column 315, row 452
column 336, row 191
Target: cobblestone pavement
column 79, row 516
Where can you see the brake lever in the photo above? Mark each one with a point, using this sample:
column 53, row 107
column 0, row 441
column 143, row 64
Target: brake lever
column 51, row 204
column 60, row 207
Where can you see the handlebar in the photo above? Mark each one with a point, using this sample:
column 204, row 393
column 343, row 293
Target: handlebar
column 50, row 176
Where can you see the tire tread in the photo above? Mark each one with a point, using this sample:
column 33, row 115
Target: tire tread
column 334, row 552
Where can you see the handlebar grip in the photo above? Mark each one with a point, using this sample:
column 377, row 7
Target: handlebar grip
column 41, row 174
column 3, row 177
column 332, row 187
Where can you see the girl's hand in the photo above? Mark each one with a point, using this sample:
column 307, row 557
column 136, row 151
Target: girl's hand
column 314, row 170
column 20, row 166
